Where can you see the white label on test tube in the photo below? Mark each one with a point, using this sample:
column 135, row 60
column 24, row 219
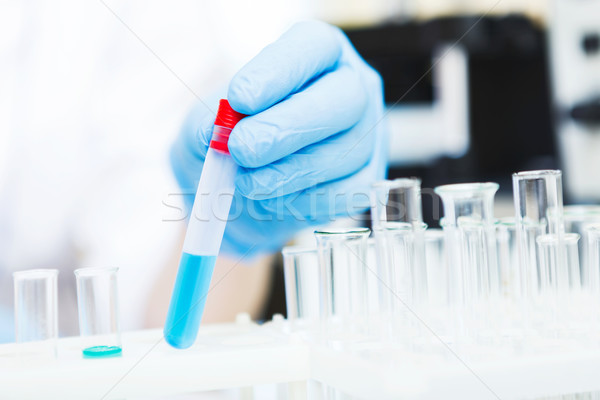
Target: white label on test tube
column 211, row 206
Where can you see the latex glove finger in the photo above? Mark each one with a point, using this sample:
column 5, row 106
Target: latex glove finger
column 342, row 197
column 331, row 159
column 325, row 202
column 304, row 52
column 331, row 104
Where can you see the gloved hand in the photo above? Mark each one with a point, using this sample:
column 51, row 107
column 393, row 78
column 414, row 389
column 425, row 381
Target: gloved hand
column 311, row 147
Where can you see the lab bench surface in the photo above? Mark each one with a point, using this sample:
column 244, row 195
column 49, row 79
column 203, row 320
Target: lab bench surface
column 244, row 354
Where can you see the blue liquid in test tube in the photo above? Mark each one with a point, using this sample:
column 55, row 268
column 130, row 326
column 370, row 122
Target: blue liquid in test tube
column 191, row 286
column 204, row 234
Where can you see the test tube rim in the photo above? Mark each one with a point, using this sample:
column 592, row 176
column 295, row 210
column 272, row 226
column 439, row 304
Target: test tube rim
column 467, row 190
column 568, row 238
column 471, row 222
column 397, row 183
column 402, row 226
column 94, row 271
column 510, row 222
column 434, row 234
column 575, row 211
column 330, row 232
column 37, row 273
column 592, row 230
column 296, row 250
column 536, row 174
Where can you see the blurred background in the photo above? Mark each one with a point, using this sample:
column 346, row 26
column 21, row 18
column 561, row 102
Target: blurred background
column 93, row 93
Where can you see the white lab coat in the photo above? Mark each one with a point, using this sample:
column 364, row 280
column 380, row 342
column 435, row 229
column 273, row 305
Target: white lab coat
column 91, row 96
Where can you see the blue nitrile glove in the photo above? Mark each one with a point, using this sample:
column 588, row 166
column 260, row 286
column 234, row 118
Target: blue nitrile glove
column 312, row 146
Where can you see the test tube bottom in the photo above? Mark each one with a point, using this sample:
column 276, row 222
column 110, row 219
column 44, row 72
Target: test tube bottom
column 189, row 296
column 102, row 352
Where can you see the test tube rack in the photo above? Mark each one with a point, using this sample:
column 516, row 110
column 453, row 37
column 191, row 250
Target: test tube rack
column 245, row 354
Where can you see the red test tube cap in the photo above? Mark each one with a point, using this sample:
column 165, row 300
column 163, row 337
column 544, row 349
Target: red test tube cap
column 226, row 116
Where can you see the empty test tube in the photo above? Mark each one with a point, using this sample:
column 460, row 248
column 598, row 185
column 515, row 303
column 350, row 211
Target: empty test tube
column 539, row 208
column 508, row 260
column 302, row 285
column 577, row 218
column 343, row 265
column 558, row 276
column 373, row 283
column 437, row 273
column 468, row 210
column 97, row 304
column 399, row 202
column 36, row 309
column 591, row 279
column 571, row 243
column 474, row 258
column 399, row 253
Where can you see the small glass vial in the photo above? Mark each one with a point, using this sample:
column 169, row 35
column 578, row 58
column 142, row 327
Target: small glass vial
column 36, row 310
column 98, row 312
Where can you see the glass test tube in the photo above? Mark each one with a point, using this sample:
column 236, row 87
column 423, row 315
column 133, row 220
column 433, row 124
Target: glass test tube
column 508, row 260
column 558, row 276
column 468, row 210
column 538, row 206
column 399, row 238
column 577, row 218
column 302, row 285
column 557, row 258
column 343, row 266
column 373, row 283
column 399, row 201
column 591, row 278
column 437, row 273
column 474, row 259
column 36, row 309
column 396, row 200
column 97, row 304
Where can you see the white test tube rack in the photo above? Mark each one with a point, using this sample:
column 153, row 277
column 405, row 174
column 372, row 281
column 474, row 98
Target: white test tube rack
column 244, row 354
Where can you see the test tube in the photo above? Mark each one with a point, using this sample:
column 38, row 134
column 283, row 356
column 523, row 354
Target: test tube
column 557, row 257
column 343, row 265
column 437, row 273
column 97, row 304
column 474, row 256
column 302, row 285
column 538, row 206
column 204, row 233
column 399, row 238
column 373, row 283
column 469, row 235
column 508, row 260
column 468, row 205
column 397, row 200
column 392, row 202
column 591, row 278
column 558, row 276
column 36, row 309
column 577, row 218
column 399, row 255
column 571, row 241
